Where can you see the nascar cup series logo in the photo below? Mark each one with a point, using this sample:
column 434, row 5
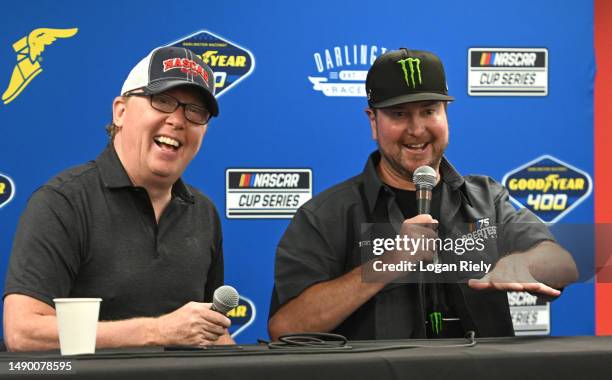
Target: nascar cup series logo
column 530, row 314
column 230, row 62
column 266, row 193
column 508, row 72
column 548, row 186
column 7, row 190
column 342, row 70
column 29, row 49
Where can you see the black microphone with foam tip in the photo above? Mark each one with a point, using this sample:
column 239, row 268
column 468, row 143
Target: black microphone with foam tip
column 424, row 178
column 225, row 299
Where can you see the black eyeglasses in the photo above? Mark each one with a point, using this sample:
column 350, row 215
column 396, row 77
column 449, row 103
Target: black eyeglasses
column 168, row 104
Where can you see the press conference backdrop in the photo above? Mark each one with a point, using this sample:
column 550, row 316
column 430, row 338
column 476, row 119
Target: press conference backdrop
column 291, row 82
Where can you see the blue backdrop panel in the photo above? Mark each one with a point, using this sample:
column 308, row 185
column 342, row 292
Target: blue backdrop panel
column 275, row 118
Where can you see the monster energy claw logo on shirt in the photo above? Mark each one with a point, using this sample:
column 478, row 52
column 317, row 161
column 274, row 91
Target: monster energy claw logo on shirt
column 435, row 321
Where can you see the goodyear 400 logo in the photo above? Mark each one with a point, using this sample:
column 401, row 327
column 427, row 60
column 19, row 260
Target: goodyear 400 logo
column 549, row 187
column 230, row 62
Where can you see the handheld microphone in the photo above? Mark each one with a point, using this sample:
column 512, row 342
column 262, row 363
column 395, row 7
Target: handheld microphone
column 225, row 299
column 424, row 178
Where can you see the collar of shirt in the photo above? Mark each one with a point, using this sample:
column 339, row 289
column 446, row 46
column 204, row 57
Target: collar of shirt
column 374, row 186
column 114, row 175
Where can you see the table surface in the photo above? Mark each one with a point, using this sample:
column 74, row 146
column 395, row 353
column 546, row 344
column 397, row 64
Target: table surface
column 495, row 358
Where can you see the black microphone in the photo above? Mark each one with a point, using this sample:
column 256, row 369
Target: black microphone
column 225, row 299
column 424, row 178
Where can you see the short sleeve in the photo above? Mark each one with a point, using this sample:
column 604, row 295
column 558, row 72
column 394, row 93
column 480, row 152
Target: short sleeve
column 304, row 257
column 215, row 275
column 520, row 229
column 45, row 257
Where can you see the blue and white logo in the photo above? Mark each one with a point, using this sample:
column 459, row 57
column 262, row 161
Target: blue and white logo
column 230, row 62
column 342, row 70
column 549, row 187
column 7, row 189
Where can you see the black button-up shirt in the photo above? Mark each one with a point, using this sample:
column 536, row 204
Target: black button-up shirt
column 322, row 243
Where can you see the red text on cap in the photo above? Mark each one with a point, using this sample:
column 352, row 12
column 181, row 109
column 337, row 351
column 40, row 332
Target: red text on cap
column 186, row 66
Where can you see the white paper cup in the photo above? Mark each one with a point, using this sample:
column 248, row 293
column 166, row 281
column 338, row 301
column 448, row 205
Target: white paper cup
column 77, row 322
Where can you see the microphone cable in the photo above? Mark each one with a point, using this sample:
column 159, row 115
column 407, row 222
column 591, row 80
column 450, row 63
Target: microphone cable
column 310, row 340
column 316, row 341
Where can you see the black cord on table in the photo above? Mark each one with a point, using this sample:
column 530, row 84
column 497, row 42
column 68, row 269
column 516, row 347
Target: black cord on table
column 334, row 341
column 310, row 340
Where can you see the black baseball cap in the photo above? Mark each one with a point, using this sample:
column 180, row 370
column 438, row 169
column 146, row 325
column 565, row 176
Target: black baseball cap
column 168, row 67
column 404, row 76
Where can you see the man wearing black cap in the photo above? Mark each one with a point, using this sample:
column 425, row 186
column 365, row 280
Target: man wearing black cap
column 325, row 282
column 125, row 227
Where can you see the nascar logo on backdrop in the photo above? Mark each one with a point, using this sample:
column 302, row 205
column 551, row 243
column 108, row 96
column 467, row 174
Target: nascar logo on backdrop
column 230, row 62
column 342, row 70
column 507, row 72
column 7, row 190
column 530, row 314
column 29, row 49
column 266, row 193
column 549, row 187
column 242, row 316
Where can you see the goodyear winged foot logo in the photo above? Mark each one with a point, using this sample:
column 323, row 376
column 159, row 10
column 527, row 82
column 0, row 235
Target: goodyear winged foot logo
column 342, row 70
column 230, row 62
column 28, row 51
column 549, row 187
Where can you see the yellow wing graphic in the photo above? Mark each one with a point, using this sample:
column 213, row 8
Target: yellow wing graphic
column 28, row 49
column 41, row 37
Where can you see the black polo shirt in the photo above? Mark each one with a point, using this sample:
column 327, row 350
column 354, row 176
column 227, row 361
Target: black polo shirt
column 90, row 233
column 322, row 243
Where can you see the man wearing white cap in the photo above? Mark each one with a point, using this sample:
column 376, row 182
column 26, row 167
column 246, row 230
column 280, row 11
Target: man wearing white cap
column 125, row 227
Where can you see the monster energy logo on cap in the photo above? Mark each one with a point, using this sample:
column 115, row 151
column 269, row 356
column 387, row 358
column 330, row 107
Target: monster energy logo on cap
column 404, row 76
column 411, row 63
column 435, row 321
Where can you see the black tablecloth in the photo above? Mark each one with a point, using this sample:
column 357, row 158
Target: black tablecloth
column 503, row 358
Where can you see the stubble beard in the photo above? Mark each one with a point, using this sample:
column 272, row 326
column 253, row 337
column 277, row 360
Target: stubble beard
column 396, row 165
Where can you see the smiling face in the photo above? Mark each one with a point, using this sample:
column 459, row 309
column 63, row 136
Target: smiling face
column 409, row 135
column 155, row 147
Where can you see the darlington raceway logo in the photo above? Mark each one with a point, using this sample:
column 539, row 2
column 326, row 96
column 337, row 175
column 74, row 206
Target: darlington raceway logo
column 28, row 51
column 7, row 190
column 507, row 72
column 242, row 316
column 266, row 193
column 342, row 70
column 230, row 62
column 548, row 186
